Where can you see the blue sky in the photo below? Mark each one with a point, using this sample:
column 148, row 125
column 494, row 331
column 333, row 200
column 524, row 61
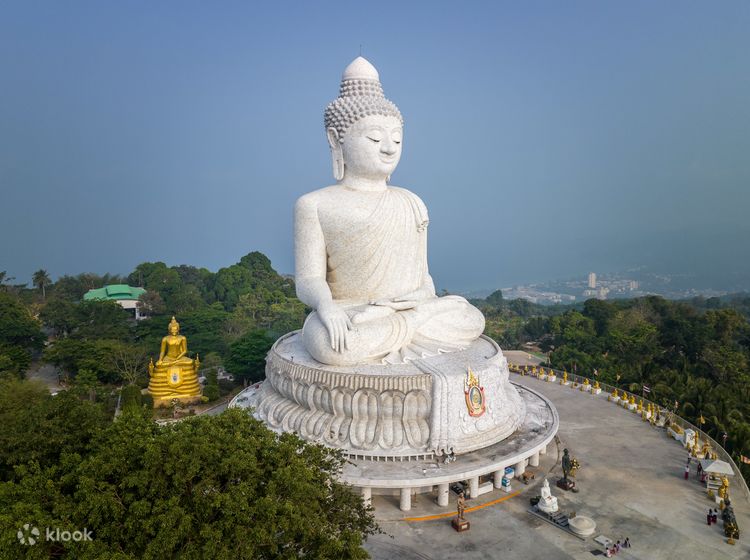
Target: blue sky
column 547, row 138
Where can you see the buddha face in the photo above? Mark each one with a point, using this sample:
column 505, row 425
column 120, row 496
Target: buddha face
column 371, row 147
column 174, row 330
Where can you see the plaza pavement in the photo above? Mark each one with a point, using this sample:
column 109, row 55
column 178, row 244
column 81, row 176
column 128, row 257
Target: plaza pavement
column 631, row 483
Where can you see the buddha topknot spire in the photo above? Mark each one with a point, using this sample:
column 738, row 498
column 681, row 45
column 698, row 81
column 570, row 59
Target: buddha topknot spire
column 360, row 95
column 360, row 69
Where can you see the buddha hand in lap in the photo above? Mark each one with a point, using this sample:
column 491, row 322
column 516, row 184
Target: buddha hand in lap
column 361, row 245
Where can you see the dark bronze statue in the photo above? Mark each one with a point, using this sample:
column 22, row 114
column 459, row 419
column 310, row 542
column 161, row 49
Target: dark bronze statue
column 567, row 465
column 731, row 530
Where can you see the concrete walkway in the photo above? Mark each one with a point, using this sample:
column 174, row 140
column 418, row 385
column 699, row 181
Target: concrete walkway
column 631, row 483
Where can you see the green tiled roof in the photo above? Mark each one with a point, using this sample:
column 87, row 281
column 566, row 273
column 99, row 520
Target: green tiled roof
column 114, row 292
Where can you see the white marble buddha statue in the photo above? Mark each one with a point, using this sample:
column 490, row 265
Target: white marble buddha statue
column 547, row 502
column 361, row 245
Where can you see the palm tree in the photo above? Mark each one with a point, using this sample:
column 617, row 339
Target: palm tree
column 41, row 280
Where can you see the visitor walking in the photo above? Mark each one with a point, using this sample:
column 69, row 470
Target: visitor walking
column 709, row 516
column 687, row 471
column 626, row 544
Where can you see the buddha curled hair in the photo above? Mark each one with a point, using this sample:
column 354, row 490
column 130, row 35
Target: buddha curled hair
column 360, row 96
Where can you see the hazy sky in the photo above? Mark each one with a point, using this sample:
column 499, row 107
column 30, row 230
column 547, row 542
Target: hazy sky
column 547, row 138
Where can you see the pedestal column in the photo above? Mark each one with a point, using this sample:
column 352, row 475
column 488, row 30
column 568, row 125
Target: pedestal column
column 442, row 497
column 543, row 450
column 474, row 487
column 520, row 467
column 497, row 478
column 534, row 460
column 367, row 495
column 405, row 499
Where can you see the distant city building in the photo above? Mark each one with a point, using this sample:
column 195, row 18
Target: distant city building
column 633, row 285
column 125, row 295
column 592, row 280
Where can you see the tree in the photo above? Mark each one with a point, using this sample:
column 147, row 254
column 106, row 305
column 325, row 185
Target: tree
column 41, row 280
column 211, row 390
column 247, row 356
column 86, row 383
column 130, row 362
column 20, row 334
column 112, row 361
column 150, row 303
column 41, row 428
column 220, row 487
column 87, row 320
column 3, row 279
column 495, row 298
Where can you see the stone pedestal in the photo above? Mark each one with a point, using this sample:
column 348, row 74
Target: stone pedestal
column 391, row 411
column 429, row 473
column 581, row 525
column 460, row 525
column 566, row 484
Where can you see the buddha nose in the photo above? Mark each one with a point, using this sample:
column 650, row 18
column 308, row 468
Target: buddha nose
column 388, row 147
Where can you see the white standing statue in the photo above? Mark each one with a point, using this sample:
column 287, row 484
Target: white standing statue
column 361, row 245
column 547, row 502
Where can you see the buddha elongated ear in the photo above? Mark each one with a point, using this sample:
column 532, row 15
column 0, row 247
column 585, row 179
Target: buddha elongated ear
column 337, row 155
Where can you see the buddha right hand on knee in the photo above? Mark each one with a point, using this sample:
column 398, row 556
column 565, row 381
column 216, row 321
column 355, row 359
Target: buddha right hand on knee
column 337, row 323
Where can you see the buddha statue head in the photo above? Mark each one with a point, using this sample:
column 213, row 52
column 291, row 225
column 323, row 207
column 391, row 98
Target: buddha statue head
column 174, row 327
column 364, row 128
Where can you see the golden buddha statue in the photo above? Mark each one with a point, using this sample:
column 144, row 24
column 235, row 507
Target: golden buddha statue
column 596, row 384
column 175, row 375
column 565, row 378
column 724, row 488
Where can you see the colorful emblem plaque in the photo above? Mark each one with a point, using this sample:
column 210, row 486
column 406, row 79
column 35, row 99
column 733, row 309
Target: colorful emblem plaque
column 174, row 377
column 474, row 394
